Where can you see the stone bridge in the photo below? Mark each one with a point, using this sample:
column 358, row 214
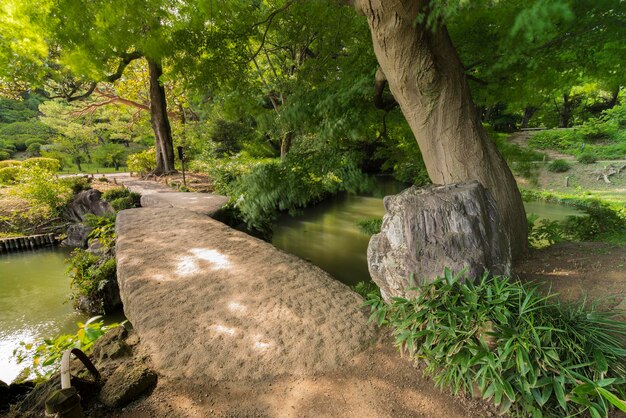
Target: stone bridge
column 210, row 302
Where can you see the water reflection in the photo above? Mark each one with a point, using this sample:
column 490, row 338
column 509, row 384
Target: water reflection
column 33, row 288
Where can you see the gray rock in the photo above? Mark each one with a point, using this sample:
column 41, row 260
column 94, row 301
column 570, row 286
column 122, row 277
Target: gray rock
column 426, row 230
column 77, row 235
column 127, row 383
column 88, row 202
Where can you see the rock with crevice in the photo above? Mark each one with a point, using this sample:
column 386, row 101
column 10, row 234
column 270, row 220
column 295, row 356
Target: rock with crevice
column 127, row 383
column 426, row 230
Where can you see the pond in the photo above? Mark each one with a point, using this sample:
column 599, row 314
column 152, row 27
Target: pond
column 328, row 235
column 33, row 288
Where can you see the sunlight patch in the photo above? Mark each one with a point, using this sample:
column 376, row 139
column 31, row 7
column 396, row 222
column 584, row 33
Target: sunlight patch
column 187, row 265
column 221, row 329
column 237, row 307
column 219, row 260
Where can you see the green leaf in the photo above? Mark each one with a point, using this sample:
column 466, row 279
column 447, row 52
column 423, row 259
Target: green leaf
column 614, row 400
column 560, row 394
column 601, row 364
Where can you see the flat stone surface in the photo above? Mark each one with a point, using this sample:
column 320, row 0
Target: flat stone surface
column 210, row 302
column 204, row 203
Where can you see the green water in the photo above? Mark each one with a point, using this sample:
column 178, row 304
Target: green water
column 328, row 236
column 33, row 287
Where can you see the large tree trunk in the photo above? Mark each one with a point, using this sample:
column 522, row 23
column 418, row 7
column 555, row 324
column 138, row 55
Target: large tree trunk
column 160, row 121
column 428, row 80
column 565, row 112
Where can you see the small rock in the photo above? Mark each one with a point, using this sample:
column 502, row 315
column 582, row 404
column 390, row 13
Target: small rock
column 127, row 383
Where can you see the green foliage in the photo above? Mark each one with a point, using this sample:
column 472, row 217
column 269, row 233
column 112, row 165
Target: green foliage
column 305, row 177
column 76, row 183
column 89, row 275
column 15, row 111
column 41, row 187
column 142, row 162
column 121, row 198
column 502, row 340
column 46, row 355
column 103, row 229
column 586, row 158
column 48, row 164
column 601, row 219
column 520, row 160
column 544, row 232
column 366, row 289
column 4, row 155
column 110, row 155
column 9, row 175
column 559, row 166
column 10, row 163
column 370, row 226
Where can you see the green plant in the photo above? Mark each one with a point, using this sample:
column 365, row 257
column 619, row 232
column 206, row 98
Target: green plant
column 9, row 174
column 366, row 288
column 600, row 219
column 370, row 226
column 121, row 198
column 587, row 158
column 45, row 356
column 103, row 229
column 544, row 232
column 42, row 188
column 10, row 163
column 503, row 340
column 49, row 164
column 558, row 166
column 142, row 162
column 89, row 275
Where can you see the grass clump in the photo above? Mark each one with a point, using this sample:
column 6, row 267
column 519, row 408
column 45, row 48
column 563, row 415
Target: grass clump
column 559, row 166
column 587, row 158
column 501, row 339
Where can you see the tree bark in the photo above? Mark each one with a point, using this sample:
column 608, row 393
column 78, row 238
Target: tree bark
column 160, row 121
column 529, row 111
column 427, row 79
column 285, row 144
column 565, row 112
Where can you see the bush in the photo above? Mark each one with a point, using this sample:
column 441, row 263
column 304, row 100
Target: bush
column 34, row 149
column 143, row 162
column 89, row 275
column 41, row 187
column 587, row 158
column 4, row 155
column 502, row 340
column 50, row 164
column 558, row 166
column 76, row 183
column 600, row 219
column 9, row 175
column 10, row 163
column 121, row 198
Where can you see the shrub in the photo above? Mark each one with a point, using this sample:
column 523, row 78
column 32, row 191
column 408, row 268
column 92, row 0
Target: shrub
column 600, row 219
column 4, row 155
column 89, row 275
column 121, row 198
column 9, row 175
column 544, row 232
column 103, row 229
column 34, row 149
column 501, row 339
column 558, row 166
column 50, row 164
column 10, row 163
column 77, row 183
column 142, row 162
column 587, row 158
column 41, row 188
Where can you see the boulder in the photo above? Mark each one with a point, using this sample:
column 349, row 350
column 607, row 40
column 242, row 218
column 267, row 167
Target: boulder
column 127, row 383
column 77, row 235
column 428, row 229
column 88, row 202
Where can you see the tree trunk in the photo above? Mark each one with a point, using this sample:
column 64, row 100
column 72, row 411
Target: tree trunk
column 565, row 112
column 529, row 111
column 285, row 144
column 427, row 79
column 160, row 121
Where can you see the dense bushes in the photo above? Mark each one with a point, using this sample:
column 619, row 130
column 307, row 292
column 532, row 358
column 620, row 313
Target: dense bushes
column 142, row 162
column 559, row 166
column 121, row 198
column 502, row 340
column 587, row 158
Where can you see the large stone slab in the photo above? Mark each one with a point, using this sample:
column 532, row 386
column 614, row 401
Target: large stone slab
column 204, row 203
column 210, row 302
